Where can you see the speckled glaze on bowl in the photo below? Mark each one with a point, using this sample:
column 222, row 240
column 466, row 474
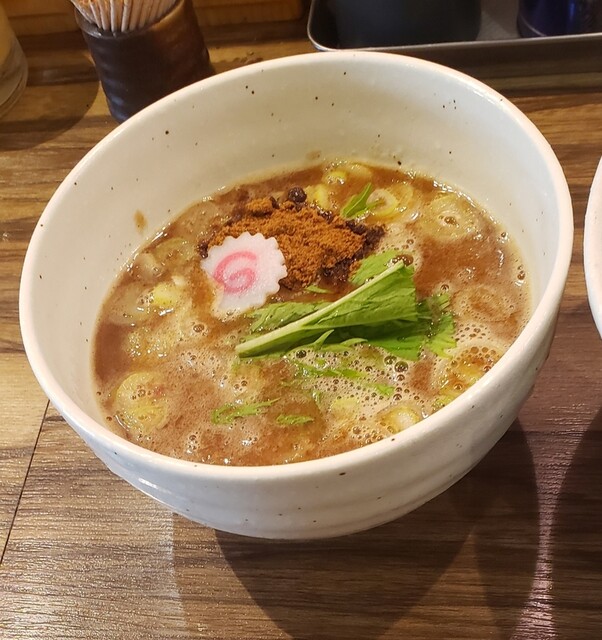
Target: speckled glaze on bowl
column 592, row 248
column 380, row 107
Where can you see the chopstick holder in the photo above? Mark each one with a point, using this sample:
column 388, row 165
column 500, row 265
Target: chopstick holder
column 139, row 66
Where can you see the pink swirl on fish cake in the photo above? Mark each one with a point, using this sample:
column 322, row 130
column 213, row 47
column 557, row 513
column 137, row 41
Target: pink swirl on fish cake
column 246, row 271
column 237, row 272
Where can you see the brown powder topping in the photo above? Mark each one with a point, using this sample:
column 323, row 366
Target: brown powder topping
column 315, row 244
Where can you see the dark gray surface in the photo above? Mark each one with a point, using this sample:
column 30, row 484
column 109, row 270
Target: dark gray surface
column 498, row 45
column 391, row 22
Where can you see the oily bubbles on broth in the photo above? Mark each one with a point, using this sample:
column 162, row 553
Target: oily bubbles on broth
column 175, row 362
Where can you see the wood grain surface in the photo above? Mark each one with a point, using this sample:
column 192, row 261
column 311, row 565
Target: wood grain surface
column 514, row 550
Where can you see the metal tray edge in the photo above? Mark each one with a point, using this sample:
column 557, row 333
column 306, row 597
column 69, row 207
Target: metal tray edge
column 532, row 45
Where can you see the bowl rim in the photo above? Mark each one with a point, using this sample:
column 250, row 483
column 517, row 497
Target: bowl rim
column 592, row 254
column 541, row 316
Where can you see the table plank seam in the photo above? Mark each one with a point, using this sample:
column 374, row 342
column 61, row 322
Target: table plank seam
column 16, row 509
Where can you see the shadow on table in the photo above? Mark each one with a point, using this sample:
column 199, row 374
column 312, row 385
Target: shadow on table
column 577, row 542
column 38, row 117
column 460, row 544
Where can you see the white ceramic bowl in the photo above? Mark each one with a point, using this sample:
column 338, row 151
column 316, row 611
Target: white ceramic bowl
column 378, row 106
column 592, row 248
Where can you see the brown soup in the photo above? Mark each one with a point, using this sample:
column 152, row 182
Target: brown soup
column 177, row 376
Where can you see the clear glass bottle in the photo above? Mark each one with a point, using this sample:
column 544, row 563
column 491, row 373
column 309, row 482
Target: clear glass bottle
column 13, row 65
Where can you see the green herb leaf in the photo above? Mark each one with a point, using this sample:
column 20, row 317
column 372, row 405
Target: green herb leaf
column 384, row 389
column 402, row 339
column 227, row 413
column 272, row 316
column 389, row 296
column 372, row 266
column 433, row 330
column 322, row 344
column 382, row 311
column 358, row 205
column 293, row 419
column 312, row 288
column 441, row 337
column 310, row 371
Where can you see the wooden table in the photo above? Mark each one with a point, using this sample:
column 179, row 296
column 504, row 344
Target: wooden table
column 514, row 550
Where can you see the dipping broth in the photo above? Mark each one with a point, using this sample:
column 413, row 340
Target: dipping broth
column 182, row 371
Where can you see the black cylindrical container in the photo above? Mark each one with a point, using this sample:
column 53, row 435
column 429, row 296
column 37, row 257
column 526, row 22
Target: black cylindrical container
column 559, row 17
column 389, row 23
column 137, row 68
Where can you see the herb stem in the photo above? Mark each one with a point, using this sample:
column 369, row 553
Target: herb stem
column 308, row 326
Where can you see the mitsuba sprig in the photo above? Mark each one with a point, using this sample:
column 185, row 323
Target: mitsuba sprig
column 383, row 311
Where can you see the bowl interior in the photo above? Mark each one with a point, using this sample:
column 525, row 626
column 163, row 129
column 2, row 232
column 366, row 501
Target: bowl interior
column 383, row 108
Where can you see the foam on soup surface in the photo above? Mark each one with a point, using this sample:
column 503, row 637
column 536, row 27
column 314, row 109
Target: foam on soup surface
column 397, row 294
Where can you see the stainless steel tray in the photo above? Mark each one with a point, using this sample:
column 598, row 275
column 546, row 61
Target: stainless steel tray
column 498, row 46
